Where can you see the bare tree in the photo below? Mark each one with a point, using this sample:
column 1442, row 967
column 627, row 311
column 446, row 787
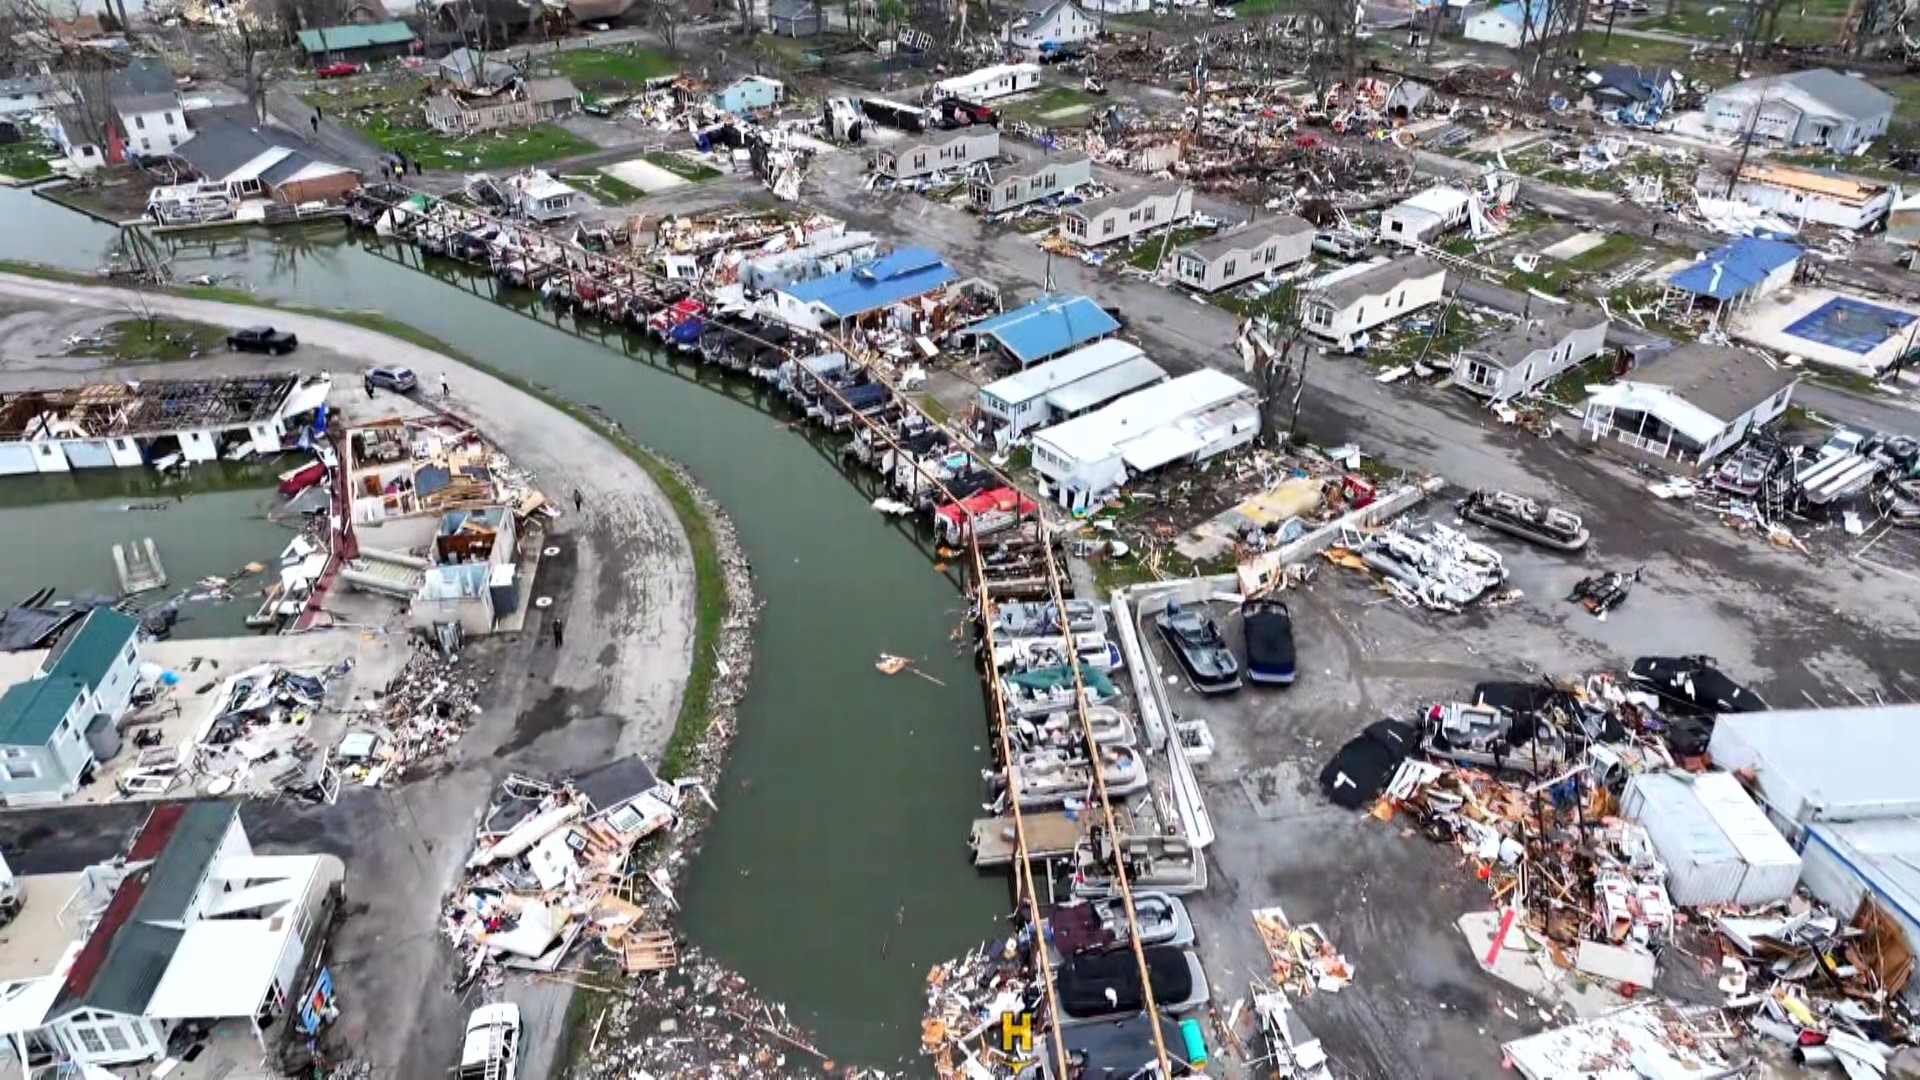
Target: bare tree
column 665, row 22
column 243, row 47
column 1279, row 363
column 744, row 9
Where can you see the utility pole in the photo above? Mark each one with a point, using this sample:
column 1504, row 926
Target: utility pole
column 1746, row 141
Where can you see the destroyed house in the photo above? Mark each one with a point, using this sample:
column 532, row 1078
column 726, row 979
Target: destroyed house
column 530, row 102
column 254, row 161
column 827, row 255
column 1903, row 221
column 794, row 18
column 1424, row 217
column 988, row 83
column 1816, row 107
column 1126, row 214
column 189, row 926
column 1191, row 418
column 1015, row 184
column 56, row 724
column 104, row 425
column 1241, row 254
column 1746, row 270
column 1521, row 358
column 472, row 582
column 1628, row 86
column 893, row 278
column 1804, row 195
column 1042, row 328
column 1347, row 303
column 472, row 70
column 1062, row 389
column 937, row 152
column 1687, row 406
column 750, row 93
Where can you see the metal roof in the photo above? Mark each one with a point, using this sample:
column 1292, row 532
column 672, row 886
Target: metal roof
column 332, row 38
column 177, row 873
column 1046, row 327
column 1043, row 379
column 1377, row 280
column 31, row 710
column 89, row 652
column 1248, row 237
column 1832, row 764
column 1100, row 388
column 1883, row 855
column 1719, row 381
column 1818, row 89
column 1509, row 346
column 1099, row 435
column 898, row 275
column 1735, row 269
column 1087, row 211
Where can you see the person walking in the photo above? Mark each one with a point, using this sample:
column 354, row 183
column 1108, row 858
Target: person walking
column 368, row 379
column 444, row 388
column 559, row 629
column 417, row 170
column 315, row 121
column 578, row 500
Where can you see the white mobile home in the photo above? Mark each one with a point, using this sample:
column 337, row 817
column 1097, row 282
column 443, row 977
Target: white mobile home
column 1520, row 358
column 1017, row 183
column 1191, row 418
column 1127, row 214
column 1059, row 390
column 938, row 151
column 1689, row 406
column 1426, row 216
column 546, row 200
column 1244, row 253
column 998, row 81
column 1347, row 303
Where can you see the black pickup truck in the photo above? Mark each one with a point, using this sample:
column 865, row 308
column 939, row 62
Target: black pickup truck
column 262, row 339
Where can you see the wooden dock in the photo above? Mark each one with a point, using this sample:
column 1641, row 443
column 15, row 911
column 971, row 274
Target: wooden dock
column 1050, row 835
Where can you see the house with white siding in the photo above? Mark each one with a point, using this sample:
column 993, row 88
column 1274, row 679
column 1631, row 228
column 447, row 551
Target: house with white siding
column 1344, row 305
column 988, row 83
column 1126, row 214
column 1058, row 390
column 52, row 723
column 1426, row 216
column 1816, row 107
column 937, row 151
column 1242, row 254
column 1531, row 353
column 1686, row 407
column 1191, row 418
column 1050, row 22
column 1016, row 183
column 1804, row 195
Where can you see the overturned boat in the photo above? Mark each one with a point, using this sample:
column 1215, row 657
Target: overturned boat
column 1517, row 515
column 1490, row 737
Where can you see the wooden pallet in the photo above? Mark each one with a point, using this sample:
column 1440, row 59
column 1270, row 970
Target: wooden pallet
column 648, row 952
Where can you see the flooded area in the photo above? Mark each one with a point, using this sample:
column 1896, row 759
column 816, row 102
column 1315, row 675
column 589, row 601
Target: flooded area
column 837, row 873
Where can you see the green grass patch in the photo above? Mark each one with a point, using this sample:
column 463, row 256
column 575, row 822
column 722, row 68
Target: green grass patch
column 29, row 159
column 691, row 171
column 612, row 69
column 1594, row 47
column 604, row 187
column 154, row 340
column 934, row 408
column 1571, row 384
column 392, row 114
column 1610, row 252
column 1726, row 23
column 710, row 583
column 1110, row 574
column 1275, row 304
column 1147, row 255
column 1055, row 99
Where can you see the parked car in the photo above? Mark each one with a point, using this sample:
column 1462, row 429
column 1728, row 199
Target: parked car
column 1269, row 629
column 336, row 71
column 492, row 1047
column 262, row 339
column 1195, row 639
column 1842, row 442
column 397, row 379
column 1339, row 245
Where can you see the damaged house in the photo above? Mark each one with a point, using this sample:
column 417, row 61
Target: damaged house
column 1062, row 389
column 1019, row 182
column 523, row 104
column 1746, row 270
column 189, row 926
column 1688, row 406
column 1816, row 107
column 55, row 725
column 937, row 152
column 1043, row 24
column 257, row 161
column 1613, row 87
column 1425, row 217
column 1126, row 214
column 1242, row 254
column 1344, row 305
column 1191, row 418
column 872, row 287
column 1044, row 327
column 1521, row 358
column 472, row 581
column 1803, row 195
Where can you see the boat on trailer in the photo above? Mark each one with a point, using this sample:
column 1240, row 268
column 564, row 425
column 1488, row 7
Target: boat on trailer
column 1517, row 515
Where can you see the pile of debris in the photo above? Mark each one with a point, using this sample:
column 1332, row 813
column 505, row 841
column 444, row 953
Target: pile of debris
column 1303, row 959
column 424, row 709
column 1428, row 565
column 967, row 997
column 255, row 740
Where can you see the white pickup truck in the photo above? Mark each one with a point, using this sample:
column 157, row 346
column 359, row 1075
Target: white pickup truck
column 492, row 1048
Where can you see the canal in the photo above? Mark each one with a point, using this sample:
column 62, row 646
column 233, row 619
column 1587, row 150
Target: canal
column 837, row 872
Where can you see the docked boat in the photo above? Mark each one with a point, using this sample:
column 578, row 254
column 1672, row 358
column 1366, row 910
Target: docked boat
column 1094, row 987
column 982, row 514
column 1516, row 515
column 1044, row 691
column 1092, row 648
column 1746, row 471
column 1049, row 777
column 1110, row 727
column 1196, row 641
column 1086, row 926
column 1039, row 619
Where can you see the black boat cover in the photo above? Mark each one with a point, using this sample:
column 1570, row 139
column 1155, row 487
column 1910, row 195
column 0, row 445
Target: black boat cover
column 1085, row 980
column 1269, row 639
column 1692, row 682
column 1361, row 770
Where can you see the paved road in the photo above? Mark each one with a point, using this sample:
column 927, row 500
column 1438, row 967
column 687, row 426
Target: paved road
column 623, row 580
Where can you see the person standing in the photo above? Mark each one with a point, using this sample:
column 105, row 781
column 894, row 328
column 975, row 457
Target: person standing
column 368, row 379
column 578, row 500
column 559, row 630
column 444, row 388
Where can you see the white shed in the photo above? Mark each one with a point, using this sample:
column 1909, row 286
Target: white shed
column 1826, row 764
column 1425, row 216
column 1718, row 846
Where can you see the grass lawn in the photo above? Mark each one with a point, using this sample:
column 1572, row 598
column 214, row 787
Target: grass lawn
column 1147, row 255
column 1571, row 385
column 606, row 189
column 1594, row 46
column 612, row 69
column 1276, row 303
column 1610, row 253
column 153, row 340
column 1726, row 22
column 392, row 114
column 691, row 171
column 1034, row 109
column 27, row 160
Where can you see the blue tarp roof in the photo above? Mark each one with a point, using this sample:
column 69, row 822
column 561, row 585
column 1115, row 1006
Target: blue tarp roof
column 1047, row 327
column 893, row 277
column 1736, row 268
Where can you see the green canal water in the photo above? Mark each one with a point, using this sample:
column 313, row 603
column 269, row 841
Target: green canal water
column 837, row 872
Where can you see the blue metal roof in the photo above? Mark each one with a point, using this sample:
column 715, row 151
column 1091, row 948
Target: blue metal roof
column 1047, row 327
column 1736, row 268
column 893, row 277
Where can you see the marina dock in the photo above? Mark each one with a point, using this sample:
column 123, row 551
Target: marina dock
column 1050, row 835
